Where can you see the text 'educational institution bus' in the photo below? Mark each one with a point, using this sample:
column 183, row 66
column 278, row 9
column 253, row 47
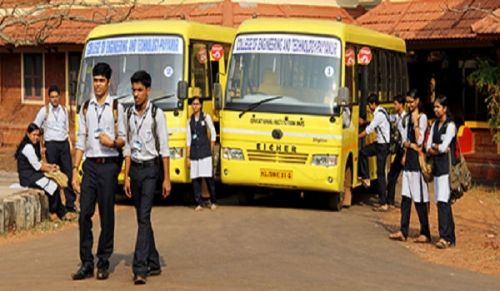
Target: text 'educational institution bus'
column 184, row 59
column 295, row 91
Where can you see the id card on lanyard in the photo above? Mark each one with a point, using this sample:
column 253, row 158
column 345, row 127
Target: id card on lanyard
column 137, row 143
column 98, row 130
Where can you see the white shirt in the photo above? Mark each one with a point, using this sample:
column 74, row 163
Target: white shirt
column 29, row 152
column 57, row 124
column 141, row 144
column 381, row 125
column 89, row 125
column 451, row 131
column 208, row 120
column 422, row 127
column 398, row 119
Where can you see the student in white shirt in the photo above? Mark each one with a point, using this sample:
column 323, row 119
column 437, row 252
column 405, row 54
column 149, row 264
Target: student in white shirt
column 442, row 141
column 30, row 168
column 380, row 149
column 53, row 119
column 200, row 149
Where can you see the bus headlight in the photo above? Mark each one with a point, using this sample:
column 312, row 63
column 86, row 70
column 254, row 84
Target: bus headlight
column 176, row 153
column 324, row 160
column 233, row 154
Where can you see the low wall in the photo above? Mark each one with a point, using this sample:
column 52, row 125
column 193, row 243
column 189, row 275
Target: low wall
column 23, row 210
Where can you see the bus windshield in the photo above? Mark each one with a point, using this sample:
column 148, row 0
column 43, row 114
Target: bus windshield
column 160, row 56
column 303, row 70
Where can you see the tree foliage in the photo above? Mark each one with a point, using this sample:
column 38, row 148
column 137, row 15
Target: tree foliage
column 487, row 80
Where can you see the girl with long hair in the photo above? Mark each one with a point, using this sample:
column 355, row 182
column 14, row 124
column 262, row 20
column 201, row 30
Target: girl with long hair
column 414, row 186
column 442, row 142
column 30, row 168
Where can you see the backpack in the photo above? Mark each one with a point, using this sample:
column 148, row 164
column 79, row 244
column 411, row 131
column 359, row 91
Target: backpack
column 460, row 177
column 154, row 109
column 394, row 134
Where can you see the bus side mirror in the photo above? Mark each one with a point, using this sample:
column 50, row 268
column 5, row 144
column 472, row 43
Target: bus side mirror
column 344, row 98
column 182, row 93
column 217, row 90
column 182, row 90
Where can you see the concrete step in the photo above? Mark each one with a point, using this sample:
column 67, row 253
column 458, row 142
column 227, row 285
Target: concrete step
column 23, row 210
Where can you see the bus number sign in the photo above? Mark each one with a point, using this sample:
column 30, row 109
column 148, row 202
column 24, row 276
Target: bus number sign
column 364, row 56
column 217, row 52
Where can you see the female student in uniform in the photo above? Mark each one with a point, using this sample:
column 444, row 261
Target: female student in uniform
column 414, row 186
column 442, row 140
column 199, row 152
column 30, row 168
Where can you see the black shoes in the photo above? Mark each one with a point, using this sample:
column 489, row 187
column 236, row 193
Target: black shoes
column 140, row 279
column 154, row 272
column 83, row 273
column 102, row 274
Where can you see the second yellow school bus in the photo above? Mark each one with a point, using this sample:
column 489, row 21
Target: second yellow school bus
column 174, row 52
column 295, row 91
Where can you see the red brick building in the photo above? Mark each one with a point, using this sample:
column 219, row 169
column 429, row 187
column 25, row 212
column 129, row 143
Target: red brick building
column 26, row 71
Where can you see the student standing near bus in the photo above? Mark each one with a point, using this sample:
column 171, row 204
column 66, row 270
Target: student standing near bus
column 396, row 166
column 200, row 150
column 146, row 162
column 380, row 149
column 443, row 141
column 53, row 119
column 414, row 186
column 101, row 135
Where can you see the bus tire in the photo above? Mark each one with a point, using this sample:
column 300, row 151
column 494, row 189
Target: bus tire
column 336, row 201
column 347, row 202
column 245, row 197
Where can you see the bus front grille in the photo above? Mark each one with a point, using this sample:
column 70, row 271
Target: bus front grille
column 276, row 157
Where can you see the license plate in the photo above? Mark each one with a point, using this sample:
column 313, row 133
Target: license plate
column 276, row 174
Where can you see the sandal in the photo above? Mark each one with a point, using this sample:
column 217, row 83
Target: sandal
column 381, row 208
column 422, row 239
column 443, row 244
column 397, row 236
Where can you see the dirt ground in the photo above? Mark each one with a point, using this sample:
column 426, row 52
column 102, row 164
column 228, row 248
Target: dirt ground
column 477, row 223
column 477, row 229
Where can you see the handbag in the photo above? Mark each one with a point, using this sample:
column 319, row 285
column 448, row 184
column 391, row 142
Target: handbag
column 459, row 176
column 59, row 177
column 425, row 163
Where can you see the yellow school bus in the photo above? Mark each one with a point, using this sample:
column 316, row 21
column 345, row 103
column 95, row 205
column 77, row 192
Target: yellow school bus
column 184, row 59
column 295, row 92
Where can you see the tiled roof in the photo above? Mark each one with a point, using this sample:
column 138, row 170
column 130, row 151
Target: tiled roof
column 488, row 25
column 433, row 19
column 223, row 12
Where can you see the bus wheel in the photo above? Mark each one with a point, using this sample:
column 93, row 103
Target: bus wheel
column 347, row 187
column 336, row 201
column 245, row 197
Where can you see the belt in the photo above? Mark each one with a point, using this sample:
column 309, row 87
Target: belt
column 104, row 160
column 145, row 164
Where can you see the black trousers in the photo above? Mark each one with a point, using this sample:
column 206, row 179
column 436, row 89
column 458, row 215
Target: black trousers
column 197, row 189
column 392, row 177
column 58, row 152
column 381, row 151
column 446, row 223
column 98, row 185
column 144, row 181
column 423, row 216
column 55, row 203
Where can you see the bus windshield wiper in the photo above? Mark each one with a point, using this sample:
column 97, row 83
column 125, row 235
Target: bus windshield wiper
column 257, row 104
column 162, row 97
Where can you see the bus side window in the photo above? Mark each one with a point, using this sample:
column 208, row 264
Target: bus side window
column 350, row 76
column 199, row 70
column 384, row 75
